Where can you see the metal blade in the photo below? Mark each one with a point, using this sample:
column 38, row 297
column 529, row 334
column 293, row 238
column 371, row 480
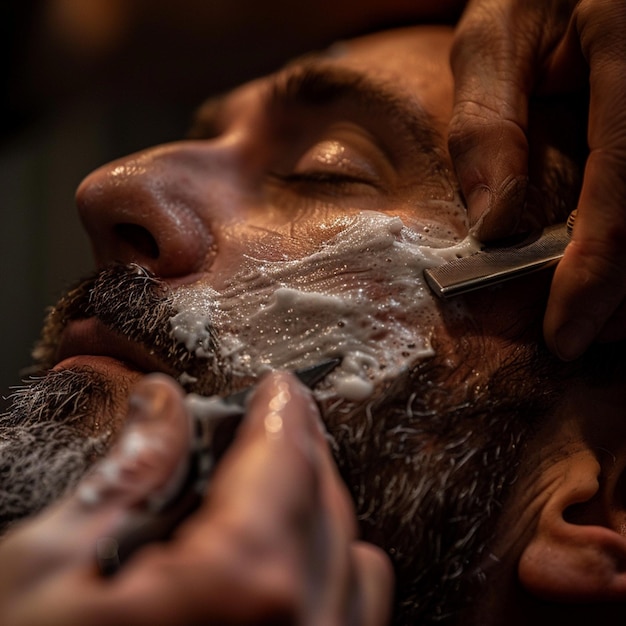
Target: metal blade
column 310, row 376
column 497, row 265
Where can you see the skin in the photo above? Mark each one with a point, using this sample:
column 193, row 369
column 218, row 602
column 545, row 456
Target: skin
column 223, row 216
column 505, row 51
column 249, row 541
column 247, row 544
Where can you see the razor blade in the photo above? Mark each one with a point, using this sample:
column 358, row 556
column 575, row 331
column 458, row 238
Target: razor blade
column 496, row 265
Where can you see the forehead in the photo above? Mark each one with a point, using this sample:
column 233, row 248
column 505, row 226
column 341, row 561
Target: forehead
column 405, row 70
column 414, row 61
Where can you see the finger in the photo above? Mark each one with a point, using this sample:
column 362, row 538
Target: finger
column 375, row 585
column 493, row 76
column 145, row 466
column 238, row 559
column 332, row 591
column 243, row 563
column 289, row 488
column 140, row 466
column 590, row 282
column 273, row 458
column 351, row 581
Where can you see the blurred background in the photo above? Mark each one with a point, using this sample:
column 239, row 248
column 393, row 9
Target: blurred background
column 88, row 81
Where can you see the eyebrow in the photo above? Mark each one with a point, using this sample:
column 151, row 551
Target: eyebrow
column 313, row 82
column 205, row 119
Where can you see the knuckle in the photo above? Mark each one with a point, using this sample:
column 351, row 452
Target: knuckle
column 604, row 184
column 258, row 581
column 469, row 126
column 594, row 11
column 486, row 30
column 609, row 157
column 263, row 570
column 479, row 126
column 601, row 24
column 600, row 261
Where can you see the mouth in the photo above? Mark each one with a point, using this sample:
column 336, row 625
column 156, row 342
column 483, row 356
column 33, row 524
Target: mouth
column 90, row 342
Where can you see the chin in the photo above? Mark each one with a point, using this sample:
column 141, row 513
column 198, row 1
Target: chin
column 106, row 413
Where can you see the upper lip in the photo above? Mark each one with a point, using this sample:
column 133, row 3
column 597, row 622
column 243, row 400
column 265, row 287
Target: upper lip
column 90, row 337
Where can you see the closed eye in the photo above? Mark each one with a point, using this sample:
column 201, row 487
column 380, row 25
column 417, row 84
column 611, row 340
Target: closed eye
column 331, row 178
column 342, row 155
column 329, row 184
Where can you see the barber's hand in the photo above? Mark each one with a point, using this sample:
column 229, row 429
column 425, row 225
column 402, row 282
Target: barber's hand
column 274, row 542
column 504, row 50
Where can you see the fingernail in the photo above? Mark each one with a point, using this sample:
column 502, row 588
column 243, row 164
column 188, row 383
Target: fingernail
column 478, row 205
column 573, row 338
column 285, row 407
column 107, row 555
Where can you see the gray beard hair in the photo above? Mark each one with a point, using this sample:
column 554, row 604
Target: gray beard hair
column 45, row 441
column 44, row 450
column 430, row 470
column 428, row 466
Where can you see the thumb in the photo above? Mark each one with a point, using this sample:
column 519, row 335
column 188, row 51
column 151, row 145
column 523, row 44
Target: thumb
column 142, row 469
column 147, row 463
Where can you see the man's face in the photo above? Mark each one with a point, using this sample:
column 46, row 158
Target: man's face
column 293, row 228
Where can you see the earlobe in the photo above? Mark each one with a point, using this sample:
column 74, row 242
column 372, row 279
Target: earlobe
column 577, row 557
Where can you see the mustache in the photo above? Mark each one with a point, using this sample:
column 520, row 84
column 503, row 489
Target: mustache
column 131, row 301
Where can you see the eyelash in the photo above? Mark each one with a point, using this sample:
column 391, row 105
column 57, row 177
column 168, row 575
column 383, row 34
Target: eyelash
column 325, row 178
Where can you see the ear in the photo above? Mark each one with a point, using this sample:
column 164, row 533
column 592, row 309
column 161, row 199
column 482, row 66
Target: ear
column 577, row 553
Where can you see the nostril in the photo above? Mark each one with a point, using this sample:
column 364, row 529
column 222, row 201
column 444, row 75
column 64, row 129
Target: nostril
column 138, row 238
column 154, row 208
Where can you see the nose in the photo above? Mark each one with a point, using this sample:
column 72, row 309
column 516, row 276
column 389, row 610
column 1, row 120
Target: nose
column 151, row 209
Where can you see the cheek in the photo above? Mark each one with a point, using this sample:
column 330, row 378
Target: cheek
column 360, row 296
column 440, row 219
column 277, row 236
column 292, row 234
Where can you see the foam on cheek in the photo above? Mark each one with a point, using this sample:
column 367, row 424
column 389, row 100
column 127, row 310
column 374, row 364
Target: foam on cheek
column 361, row 297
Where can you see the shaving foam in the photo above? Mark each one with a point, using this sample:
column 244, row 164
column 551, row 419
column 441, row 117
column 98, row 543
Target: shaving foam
column 360, row 296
